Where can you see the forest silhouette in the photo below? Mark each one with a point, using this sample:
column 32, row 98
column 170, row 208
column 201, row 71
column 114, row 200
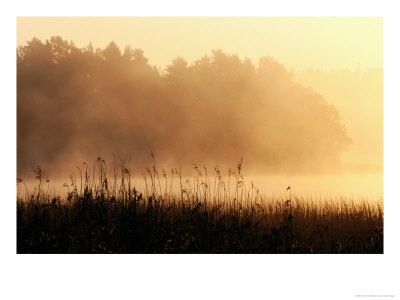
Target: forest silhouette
column 75, row 104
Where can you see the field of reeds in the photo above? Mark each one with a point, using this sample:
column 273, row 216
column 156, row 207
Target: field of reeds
column 208, row 213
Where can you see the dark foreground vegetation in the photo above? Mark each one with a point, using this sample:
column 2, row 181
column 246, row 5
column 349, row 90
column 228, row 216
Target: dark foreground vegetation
column 205, row 216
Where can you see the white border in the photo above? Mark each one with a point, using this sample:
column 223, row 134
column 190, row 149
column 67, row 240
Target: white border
column 201, row 276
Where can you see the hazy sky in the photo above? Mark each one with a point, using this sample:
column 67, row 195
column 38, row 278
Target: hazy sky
column 297, row 42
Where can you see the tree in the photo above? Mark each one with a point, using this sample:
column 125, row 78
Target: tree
column 88, row 102
column 112, row 53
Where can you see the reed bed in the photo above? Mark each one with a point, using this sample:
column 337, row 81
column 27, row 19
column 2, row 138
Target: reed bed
column 206, row 214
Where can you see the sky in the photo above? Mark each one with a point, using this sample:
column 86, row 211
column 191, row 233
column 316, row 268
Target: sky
column 299, row 43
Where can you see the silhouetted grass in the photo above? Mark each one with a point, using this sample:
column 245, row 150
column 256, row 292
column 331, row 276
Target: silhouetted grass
column 206, row 215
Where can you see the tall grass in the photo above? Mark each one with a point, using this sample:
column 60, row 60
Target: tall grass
column 205, row 215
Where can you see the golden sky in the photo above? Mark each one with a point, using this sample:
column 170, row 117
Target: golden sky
column 297, row 42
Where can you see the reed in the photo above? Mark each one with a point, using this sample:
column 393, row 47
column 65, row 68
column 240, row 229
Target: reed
column 98, row 217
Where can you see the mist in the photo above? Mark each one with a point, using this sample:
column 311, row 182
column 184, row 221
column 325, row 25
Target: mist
column 358, row 95
column 77, row 104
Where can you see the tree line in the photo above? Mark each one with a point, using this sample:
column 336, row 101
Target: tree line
column 77, row 103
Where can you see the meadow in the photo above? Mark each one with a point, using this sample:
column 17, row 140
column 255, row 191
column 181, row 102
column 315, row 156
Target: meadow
column 206, row 213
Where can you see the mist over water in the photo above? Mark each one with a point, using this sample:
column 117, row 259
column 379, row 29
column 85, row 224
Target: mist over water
column 356, row 186
column 77, row 104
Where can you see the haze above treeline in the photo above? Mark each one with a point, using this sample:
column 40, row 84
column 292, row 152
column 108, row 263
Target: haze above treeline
column 299, row 43
column 75, row 104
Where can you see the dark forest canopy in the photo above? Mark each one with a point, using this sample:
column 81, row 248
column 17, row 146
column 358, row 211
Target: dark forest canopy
column 76, row 104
